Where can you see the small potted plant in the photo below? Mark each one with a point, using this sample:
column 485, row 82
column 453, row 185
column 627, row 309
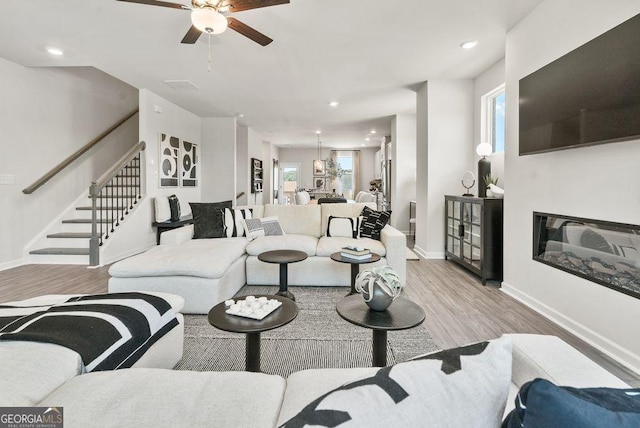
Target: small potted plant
column 490, row 181
column 379, row 287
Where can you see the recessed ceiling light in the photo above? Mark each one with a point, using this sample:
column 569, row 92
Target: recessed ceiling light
column 470, row 44
column 333, row 104
column 373, row 131
column 318, row 132
column 367, row 139
column 362, row 144
column 240, row 115
column 55, row 51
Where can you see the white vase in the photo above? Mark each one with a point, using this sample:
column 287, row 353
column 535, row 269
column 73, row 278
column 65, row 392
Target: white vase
column 338, row 186
column 489, row 193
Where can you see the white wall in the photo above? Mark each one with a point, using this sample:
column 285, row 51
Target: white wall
column 157, row 115
column 597, row 182
column 219, row 159
column 243, row 170
column 305, row 158
column 367, row 167
column 269, row 153
column 403, row 169
column 448, row 114
column 485, row 82
column 46, row 114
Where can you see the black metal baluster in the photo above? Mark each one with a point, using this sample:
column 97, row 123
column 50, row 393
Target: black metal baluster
column 99, row 216
column 112, row 203
column 138, row 181
column 125, row 171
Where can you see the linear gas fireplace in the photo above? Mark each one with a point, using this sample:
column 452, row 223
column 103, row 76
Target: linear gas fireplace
column 603, row 252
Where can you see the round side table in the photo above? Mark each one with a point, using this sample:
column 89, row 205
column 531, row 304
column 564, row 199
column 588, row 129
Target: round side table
column 252, row 328
column 283, row 258
column 401, row 315
column 355, row 267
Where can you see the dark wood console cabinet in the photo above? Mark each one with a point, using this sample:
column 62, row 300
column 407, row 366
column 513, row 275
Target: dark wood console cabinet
column 473, row 234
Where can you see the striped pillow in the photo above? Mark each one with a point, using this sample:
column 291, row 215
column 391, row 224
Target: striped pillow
column 233, row 221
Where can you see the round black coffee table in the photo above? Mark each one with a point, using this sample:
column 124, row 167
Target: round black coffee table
column 401, row 315
column 252, row 328
column 283, row 258
column 355, row 267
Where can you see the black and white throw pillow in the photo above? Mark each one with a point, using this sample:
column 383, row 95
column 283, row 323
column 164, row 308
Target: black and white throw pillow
column 233, row 221
column 252, row 228
column 208, row 219
column 272, row 226
column 347, row 227
column 373, row 222
column 462, row 387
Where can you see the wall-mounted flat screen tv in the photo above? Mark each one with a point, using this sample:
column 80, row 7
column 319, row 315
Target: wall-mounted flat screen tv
column 589, row 96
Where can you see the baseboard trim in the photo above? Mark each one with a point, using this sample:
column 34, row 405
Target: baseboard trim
column 428, row 255
column 12, row 264
column 613, row 350
column 422, row 253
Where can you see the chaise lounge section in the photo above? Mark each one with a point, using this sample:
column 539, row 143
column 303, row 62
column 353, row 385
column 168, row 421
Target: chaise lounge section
column 207, row 271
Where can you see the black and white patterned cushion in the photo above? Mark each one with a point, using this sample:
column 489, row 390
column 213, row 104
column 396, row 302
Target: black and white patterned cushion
column 272, row 226
column 347, row 227
column 233, row 221
column 373, row 222
column 253, row 228
column 462, row 387
column 257, row 227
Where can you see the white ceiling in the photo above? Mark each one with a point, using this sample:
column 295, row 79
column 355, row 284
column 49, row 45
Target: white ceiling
column 367, row 54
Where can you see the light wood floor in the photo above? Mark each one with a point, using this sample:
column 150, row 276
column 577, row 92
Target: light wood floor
column 459, row 308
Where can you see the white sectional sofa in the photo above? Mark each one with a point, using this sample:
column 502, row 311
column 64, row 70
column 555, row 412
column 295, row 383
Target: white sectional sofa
column 208, row 271
column 165, row 398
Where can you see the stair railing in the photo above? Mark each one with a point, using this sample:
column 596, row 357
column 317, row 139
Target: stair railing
column 112, row 197
column 65, row 163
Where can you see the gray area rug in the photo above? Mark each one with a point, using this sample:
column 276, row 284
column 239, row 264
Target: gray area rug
column 317, row 338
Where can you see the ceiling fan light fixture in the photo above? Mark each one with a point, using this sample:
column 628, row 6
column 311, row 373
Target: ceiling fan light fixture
column 208, row 20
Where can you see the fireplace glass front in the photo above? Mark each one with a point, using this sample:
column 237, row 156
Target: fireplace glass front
column 603, row 252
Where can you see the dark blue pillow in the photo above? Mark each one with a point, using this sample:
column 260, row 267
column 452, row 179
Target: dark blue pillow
column 540, row 403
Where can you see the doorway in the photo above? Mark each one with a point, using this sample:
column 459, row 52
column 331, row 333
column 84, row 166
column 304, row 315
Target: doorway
column 290, row 181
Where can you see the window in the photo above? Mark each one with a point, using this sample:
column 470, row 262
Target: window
column 493, row 122
column 346, row 163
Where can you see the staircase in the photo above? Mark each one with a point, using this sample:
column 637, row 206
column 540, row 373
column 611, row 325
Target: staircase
column 88, row 226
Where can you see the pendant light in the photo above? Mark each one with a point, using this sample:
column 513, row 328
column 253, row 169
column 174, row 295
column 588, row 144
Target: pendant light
column 318, row 164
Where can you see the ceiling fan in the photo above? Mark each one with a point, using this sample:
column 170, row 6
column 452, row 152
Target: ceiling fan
column 209, row 16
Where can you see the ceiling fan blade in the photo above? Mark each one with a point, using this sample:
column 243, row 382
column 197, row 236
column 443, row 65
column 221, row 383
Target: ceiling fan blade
column 192, row 36
column 240, row 5
column 157, row 3
column 249, row 32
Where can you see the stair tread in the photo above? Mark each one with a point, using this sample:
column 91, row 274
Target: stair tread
column 62, row 251
column 84, row 220
column 70, row 235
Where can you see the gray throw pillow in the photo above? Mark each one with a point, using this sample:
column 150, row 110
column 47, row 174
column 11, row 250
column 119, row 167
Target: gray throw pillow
column 208, row 219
